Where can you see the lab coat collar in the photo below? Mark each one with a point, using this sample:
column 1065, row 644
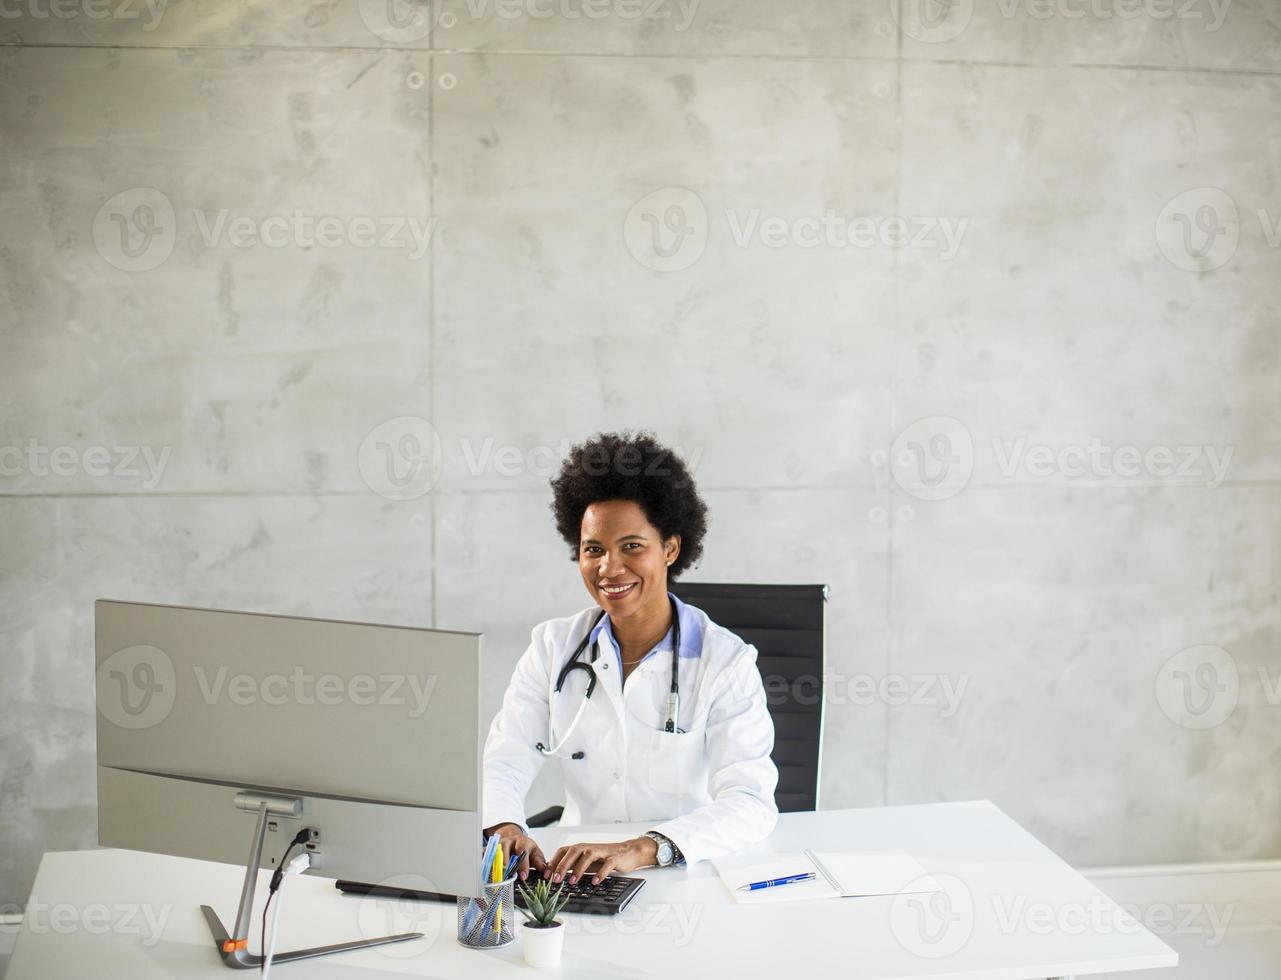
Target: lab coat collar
column 691, row 632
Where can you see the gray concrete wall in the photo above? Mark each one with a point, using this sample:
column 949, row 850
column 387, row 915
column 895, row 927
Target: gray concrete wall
column 974, row 319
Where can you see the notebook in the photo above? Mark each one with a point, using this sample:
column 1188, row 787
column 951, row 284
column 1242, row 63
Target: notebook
column 840, row 874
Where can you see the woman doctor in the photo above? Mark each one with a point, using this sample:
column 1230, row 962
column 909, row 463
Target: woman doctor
column 652, row 712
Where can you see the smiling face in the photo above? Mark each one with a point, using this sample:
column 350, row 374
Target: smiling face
column 623, row 558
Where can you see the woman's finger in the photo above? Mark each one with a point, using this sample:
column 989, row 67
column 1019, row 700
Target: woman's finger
column 623, row 859
column 526, row 858
column 585, row 859
column 596, row 856
column 568, row 859
column 535, row 855
column 605, row 867
column 551, row 865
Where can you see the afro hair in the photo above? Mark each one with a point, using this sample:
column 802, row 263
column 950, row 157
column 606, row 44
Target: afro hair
column 626, row 466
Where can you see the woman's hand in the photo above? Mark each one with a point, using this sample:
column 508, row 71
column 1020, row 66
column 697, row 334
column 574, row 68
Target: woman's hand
column 601, row 859
column 514, row 841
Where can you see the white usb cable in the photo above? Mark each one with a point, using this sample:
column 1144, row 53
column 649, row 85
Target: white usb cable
column 295, row 867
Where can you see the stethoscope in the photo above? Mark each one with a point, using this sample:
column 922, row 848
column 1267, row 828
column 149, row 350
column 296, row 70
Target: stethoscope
column 673, row 699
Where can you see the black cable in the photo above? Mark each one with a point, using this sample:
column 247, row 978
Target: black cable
column 277, row 877
column 262, row 965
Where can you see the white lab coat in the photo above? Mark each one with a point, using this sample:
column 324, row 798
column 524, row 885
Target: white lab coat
column 709, row 789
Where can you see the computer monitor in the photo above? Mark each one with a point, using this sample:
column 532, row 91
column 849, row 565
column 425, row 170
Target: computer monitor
column 221, row 735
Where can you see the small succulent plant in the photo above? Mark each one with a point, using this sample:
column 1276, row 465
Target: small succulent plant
column 542, row 905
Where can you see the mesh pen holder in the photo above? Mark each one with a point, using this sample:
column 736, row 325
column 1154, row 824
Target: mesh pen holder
column 489, row 921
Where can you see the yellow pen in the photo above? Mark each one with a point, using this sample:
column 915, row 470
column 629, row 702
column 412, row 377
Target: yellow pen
column 496, row 875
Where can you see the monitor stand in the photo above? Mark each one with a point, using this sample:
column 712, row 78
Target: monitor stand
column 235, row 951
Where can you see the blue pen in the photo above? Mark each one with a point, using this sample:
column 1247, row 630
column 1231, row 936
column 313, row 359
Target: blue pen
column 476, row 935
column 487, row 861
column 511, row 865
column 807, row 876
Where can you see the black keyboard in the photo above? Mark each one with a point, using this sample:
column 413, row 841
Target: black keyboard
column 610, row 897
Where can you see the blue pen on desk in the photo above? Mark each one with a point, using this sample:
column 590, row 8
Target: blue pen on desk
column 772, row 882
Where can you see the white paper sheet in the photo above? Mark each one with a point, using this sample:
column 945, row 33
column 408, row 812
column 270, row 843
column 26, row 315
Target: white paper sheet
column 855, row 873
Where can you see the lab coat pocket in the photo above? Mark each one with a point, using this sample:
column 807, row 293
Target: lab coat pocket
column 678, row 762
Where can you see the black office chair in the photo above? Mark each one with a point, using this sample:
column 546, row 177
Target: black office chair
column 786, row 625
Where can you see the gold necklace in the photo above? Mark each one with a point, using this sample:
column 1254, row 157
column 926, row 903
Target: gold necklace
column 628, row 663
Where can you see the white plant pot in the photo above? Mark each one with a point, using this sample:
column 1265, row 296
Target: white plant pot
column 543, row 946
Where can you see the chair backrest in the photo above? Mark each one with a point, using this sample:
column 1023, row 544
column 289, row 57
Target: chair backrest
column 786, row 625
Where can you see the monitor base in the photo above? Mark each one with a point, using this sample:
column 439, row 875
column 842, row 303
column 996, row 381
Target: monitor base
column 235, row 950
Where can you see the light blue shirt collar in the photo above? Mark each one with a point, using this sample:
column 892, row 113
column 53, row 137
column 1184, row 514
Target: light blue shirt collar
column 691, row 634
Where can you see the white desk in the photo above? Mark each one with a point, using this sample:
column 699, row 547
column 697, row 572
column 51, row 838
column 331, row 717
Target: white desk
column 1013, row 911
